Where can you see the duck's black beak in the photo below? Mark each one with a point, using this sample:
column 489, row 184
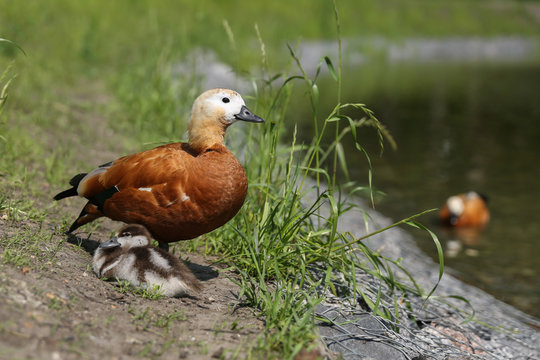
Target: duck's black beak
column 246, row 115
column 112, row 243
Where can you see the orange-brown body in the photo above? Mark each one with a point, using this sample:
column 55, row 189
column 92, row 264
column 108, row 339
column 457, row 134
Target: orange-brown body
column 177, row 191
column 183, row 194
column 465, row 210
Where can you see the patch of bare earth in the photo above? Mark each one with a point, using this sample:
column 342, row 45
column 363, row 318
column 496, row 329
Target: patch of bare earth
column 56, row 308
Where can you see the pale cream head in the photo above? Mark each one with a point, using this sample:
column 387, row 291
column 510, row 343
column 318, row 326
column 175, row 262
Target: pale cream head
column 455, row 205
column 217, row 105
column 213, row 111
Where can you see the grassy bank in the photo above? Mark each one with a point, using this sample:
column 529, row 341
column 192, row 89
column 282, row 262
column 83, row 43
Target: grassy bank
column 114, row 63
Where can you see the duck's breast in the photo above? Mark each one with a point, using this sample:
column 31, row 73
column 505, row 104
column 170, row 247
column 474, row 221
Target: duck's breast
column 212, row 193
column 219, row 184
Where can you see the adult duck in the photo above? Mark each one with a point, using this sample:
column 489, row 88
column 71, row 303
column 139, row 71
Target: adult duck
column 177, row 191
column 465, row 210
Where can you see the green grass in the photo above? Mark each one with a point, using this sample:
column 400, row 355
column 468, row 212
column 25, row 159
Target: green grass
column 29, row 247
column 111, row 65
column 153, row 293
column 159, row 325
column 148, row 319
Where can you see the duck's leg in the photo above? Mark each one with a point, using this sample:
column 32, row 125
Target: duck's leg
column 164, row 246
column 89, row 213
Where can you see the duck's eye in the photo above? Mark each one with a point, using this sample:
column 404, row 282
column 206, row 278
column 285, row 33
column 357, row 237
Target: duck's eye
column 126, row 234
column 226, row 100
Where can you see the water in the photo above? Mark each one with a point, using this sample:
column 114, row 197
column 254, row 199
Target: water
column 459, row 127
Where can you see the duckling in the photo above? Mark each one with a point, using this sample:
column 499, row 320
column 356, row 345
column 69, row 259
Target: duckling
column 465, row 210
column 177, row 191
column 130, row 256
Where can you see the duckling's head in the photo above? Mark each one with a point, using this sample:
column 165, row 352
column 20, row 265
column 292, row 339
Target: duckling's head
column 213, row 111
column 129, row 236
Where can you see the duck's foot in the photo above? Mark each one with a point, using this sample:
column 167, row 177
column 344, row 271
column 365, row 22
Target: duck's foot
column 164, row 246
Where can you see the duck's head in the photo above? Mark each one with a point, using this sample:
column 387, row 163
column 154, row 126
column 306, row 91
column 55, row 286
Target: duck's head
column 456, row 205
column 213, row 111
column 129, row 236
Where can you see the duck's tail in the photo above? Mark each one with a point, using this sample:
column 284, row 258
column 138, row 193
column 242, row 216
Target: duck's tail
column 74, row 182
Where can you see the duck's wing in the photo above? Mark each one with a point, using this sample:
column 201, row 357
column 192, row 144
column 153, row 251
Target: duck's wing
column 142, row 171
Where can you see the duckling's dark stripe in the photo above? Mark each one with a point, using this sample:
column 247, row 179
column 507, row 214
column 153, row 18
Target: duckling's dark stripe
column 99, row 199
column 110, row 257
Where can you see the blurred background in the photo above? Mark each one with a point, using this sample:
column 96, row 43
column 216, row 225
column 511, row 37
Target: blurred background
column 457, row 84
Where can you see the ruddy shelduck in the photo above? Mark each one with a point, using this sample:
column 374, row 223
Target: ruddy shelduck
column 177, row 191
column 130, row 256
column 465, row 210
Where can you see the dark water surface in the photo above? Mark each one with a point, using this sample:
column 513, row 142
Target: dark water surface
column 458, row 128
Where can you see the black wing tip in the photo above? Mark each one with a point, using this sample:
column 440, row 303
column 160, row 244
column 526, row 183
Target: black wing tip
column 77, row 179
column 483, row 196
column 99, row 199
column 72, row 191
column 66, row 193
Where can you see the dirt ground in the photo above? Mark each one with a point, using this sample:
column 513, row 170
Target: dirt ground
column 60, row 310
